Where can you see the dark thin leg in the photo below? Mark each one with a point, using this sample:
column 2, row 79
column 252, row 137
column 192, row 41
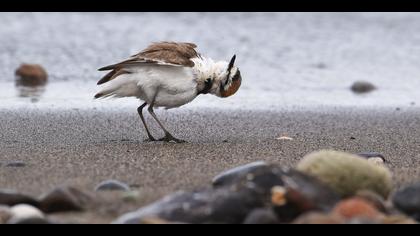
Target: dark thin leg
column 140, row 111
column 168, row 136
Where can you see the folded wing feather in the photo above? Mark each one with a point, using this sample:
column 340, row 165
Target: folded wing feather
column 162, row 53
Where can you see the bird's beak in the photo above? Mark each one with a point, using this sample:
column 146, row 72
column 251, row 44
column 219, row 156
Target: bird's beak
column 232, row 62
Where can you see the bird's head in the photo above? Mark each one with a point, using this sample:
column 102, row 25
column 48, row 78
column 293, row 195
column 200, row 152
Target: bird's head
column 229, row 80
column 222, row 79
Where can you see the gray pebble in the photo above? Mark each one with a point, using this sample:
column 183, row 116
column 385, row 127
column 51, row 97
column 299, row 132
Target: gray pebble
column 16, row 164
column 112, row 185
column 362, row 87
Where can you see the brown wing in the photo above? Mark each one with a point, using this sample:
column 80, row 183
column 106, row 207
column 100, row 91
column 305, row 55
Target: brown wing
column 163, row 53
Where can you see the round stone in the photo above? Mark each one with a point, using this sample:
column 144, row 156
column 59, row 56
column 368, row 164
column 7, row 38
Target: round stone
column 31, row 75
column 407, row 200
column 347, row 173
column 357, row 208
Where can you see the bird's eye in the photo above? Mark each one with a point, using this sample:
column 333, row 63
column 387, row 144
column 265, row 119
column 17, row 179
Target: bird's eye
column 237, row 75
column 208, row 81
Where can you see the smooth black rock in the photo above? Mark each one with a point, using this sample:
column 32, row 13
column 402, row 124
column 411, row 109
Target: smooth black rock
column 112, row 185
column 64, row 199
column 407, row 200
column 261, row 216
column 226, row 204
column 232, row 203
column 206, row 206
column 11, row 198
column 229, row 176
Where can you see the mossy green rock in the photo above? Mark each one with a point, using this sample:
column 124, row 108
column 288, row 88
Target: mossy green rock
column 347, row 173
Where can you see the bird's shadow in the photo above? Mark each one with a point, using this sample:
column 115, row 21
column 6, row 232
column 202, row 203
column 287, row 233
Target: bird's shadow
column 134, row 141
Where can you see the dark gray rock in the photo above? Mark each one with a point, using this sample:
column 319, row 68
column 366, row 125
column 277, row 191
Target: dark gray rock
column 65, row 199
column 407, row 200
column 232, row 203
column 362, row 87
column 229, row 176
column 205, row 206
column 261, row 216
column 226, row 204
column 112, row 185
column 11, row 198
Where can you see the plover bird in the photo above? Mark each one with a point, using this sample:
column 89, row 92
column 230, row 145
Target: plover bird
column 169, row 75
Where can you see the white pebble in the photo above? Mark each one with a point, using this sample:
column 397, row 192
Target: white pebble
column 376, row 160
column 23, row 212
column 284, row 138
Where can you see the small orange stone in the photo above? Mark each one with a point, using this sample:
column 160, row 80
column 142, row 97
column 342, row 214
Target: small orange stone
column 278, row 196
column 356, row 207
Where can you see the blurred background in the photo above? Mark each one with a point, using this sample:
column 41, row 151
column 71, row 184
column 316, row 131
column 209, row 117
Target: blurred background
column 286, row 59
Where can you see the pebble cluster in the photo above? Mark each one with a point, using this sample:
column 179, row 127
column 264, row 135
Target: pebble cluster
column 325, row 187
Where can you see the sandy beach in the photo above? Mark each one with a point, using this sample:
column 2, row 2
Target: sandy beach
column 82, row 148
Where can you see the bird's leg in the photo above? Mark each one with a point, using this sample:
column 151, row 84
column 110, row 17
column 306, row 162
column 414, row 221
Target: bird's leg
column 140, row 111
column 168, row 136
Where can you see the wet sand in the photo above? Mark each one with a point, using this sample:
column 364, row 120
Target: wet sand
column 82, row 147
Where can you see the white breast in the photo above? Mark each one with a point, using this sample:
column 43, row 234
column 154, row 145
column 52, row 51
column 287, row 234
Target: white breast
column 175, row 86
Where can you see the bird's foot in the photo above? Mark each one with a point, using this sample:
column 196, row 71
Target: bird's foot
column 170, row 138
column 150, row 139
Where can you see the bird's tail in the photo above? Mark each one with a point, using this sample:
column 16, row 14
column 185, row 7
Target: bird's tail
column 118, row 87
column 99, row 95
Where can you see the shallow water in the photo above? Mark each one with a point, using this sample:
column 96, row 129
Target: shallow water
column 286, row 59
